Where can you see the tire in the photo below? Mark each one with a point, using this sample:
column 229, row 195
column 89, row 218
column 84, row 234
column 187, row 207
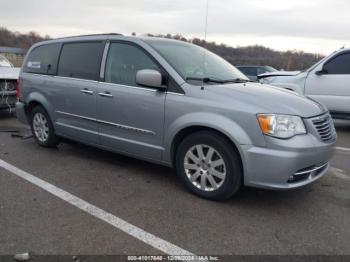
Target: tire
column 42, row 127
column 220, row 162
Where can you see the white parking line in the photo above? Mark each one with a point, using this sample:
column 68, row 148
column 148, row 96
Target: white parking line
column 342, row 148
column 99, row 213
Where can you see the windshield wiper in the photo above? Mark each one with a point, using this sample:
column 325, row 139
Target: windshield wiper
column 239, row 80
column 219, row 81
column 206, row 80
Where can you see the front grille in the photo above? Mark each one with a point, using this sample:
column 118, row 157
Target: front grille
column 325, row 128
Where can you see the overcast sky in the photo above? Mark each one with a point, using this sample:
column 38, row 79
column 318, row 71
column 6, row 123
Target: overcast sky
column 320, row 26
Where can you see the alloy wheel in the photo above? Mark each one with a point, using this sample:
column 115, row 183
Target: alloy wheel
column 40, row 127
column 205, row 167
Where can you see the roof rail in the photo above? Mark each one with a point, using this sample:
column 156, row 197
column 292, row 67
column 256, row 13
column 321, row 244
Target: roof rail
column 87, row 35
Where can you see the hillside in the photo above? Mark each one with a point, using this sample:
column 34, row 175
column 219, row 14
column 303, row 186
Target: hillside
column 257, row 55
column 16, row 39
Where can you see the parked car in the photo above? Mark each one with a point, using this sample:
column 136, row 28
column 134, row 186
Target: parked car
column 8, row 80
column 326, row 82
column 157, row 100
column 252, row 71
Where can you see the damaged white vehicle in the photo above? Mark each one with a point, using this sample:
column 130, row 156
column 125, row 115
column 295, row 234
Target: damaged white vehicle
column 8, row 82
column 327, row 82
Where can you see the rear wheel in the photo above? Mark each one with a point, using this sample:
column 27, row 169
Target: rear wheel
column 42, row 128
column 209, row 166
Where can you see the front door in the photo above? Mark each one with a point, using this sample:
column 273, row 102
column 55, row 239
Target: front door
column 130, row 117
column 332, row 88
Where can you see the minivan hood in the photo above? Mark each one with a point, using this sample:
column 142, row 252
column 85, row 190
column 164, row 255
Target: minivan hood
column 267, row 99
column 9, row 72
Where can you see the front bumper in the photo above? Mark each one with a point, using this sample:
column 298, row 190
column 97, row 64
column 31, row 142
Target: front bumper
column 286, row 164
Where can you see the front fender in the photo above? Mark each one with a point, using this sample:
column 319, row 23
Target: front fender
column 210, row 120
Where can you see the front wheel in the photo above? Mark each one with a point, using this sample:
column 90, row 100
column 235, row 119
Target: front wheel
column 209, row 166
column 42, row 128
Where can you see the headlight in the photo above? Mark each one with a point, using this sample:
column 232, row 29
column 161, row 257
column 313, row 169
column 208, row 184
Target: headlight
column 281, row 126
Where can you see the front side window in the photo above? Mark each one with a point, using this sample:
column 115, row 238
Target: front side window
column 43, row 60
column 123, row 62
column 339, row 65
column 81, row 60
column 192, row 61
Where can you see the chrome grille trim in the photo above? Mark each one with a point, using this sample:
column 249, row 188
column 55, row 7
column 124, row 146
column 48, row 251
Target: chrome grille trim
column 311, row 169
column 325, row 128
column 308, row 173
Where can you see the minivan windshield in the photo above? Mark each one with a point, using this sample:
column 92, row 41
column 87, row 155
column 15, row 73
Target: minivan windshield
column 194, row 63
column 4, row 62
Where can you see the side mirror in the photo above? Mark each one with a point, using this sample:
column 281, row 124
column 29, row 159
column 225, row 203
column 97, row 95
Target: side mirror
column 321, row 72
column 149, row 78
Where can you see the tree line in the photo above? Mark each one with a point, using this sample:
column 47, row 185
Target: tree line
column 16, row 39
column 252, row 55
column 255, row 55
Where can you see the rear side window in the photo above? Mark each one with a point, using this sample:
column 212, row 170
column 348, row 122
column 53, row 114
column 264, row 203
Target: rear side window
column 43, row 60
column 339, row 65
column 81, row 60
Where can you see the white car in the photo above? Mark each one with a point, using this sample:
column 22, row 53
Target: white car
column 327, row 82
column 8, row 80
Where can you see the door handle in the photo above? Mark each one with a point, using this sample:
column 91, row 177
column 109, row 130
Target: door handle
column 87, row 91
column 106, row 94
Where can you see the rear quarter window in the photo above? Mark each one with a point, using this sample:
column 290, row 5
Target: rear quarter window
column 43, row 59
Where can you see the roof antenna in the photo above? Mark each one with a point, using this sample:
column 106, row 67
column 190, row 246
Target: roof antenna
column 205, row 40
column 206, row 21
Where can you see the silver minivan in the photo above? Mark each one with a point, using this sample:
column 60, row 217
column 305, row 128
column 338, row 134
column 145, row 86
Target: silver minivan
column 176, row 104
